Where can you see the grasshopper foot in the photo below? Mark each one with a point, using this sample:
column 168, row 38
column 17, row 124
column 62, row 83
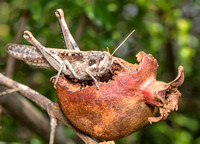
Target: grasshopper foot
column 96, row 85
column 115, row 59
column 54, row 80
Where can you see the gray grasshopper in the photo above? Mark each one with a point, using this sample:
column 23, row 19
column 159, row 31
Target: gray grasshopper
column 81, row 65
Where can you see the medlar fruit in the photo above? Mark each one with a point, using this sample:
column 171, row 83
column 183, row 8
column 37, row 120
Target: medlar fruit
column 127, row 99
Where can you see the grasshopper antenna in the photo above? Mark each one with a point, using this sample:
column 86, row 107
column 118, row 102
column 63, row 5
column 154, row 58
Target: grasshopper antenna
column 122, row 42
column 108, row 51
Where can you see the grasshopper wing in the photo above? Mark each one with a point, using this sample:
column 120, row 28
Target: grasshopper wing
column 29, row 54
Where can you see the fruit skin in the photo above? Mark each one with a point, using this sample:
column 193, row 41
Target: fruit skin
column 123, row 105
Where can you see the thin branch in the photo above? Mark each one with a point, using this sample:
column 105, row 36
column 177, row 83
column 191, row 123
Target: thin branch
column 44, row 103
column 24, row 112
column 29, row 93
column 9, row 91
column 53, row 123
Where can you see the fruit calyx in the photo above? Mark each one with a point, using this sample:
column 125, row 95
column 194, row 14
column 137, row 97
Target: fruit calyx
column 164, row 95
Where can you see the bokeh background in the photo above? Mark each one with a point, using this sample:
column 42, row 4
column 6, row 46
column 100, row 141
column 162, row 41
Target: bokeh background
column 168, row 29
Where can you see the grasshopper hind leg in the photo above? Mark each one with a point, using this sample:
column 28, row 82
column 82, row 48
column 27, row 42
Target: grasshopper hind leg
column 68, row 38
column 71, row 69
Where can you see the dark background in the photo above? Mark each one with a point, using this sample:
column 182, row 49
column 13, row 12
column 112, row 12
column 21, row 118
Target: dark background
column 168, row 29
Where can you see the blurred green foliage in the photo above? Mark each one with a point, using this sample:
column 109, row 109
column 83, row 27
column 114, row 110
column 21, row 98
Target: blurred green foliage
column 167, row 29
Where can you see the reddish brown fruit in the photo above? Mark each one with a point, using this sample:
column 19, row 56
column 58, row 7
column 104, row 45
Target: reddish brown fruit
column 124, row 104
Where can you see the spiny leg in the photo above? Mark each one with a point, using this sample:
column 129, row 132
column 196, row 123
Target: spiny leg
column 59, row 14
column 57, row 76
column 71, row 69
column 115, row 59
column 55, row 61
column 68, row 38
column 95, row 81
column 63, row 68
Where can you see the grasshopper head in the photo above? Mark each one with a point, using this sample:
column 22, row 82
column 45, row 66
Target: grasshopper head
column 105, row 62
column 100, row 64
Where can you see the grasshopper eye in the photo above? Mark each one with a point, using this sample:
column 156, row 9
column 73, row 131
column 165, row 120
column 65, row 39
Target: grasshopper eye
column 52, row 52
column 92, row 61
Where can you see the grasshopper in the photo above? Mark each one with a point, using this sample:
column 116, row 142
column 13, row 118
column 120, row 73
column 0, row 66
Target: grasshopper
column 81, row 65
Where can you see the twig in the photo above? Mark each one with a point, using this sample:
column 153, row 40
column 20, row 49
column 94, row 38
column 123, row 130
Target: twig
column 53, row 123
column 24, row 112
column 9, row 91
column 45, row 103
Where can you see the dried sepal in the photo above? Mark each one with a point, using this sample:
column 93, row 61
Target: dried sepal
column 168, row 96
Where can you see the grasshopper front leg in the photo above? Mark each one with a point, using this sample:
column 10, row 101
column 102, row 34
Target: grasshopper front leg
column 56, row 62
column 115, row 59
column 68, row 38
column 93, row 78
column 90, row 73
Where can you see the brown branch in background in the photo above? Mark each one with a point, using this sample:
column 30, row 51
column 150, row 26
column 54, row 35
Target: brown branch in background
column 26, row 113
column 81, row 26
column 0, row 115
column 10, row 60
column 43, row 102
column 169, row 58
